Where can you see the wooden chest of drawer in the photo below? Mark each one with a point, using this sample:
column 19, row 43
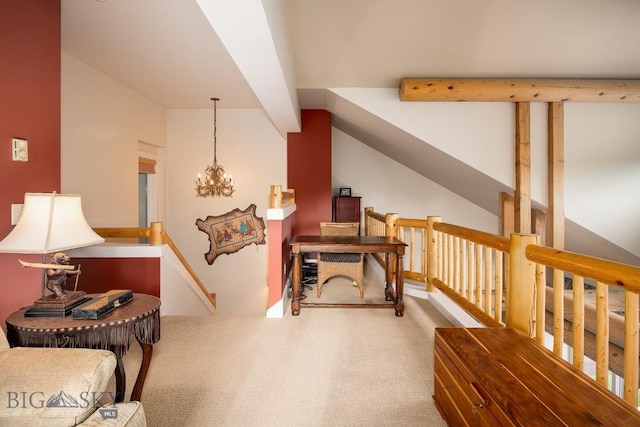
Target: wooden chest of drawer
column 501, row 377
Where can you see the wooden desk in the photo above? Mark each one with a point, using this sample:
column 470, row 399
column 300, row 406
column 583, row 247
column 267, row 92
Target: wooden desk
column 351, row 244
column 139, row 318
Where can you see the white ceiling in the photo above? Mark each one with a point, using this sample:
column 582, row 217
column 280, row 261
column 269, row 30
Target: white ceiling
column 168, row 51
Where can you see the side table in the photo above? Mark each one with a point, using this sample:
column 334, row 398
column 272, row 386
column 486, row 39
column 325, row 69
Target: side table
column 139, row 318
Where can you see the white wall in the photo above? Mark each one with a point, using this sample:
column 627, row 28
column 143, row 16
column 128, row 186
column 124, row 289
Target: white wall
column 602, row 151
column 389, row 187
column 101, row 124
column 253, row 151
column 602, row 162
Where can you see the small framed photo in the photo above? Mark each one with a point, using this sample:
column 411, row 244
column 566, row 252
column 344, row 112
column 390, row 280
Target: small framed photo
column 345, row 192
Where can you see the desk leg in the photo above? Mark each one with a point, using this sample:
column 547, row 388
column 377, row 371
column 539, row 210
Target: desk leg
column 121, row 380
column 388, row 290
column 399, row 286
column 297, row 273
column 147, row 352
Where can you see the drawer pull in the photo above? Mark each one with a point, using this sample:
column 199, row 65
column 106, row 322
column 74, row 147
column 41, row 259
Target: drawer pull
column 479, row 405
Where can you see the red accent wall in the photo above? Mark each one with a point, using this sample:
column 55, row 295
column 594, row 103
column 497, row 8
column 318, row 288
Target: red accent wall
column 141, row 275
column 29, row 109
column 309, row 170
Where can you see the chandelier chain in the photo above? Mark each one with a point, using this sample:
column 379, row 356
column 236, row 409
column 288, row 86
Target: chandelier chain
column 215, row 128
column 216, row 182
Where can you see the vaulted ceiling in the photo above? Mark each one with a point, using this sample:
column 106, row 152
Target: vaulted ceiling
column 284, row 55
column 181, row 53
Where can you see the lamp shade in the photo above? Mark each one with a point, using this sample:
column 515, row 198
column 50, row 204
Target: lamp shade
column 50, row 222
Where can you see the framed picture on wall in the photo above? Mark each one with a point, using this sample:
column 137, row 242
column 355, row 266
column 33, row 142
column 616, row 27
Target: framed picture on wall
column 345, row 192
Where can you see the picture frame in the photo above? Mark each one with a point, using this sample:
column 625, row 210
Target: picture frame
column 345, row 192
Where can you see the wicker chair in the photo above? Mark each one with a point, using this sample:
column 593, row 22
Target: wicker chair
column 331, row 264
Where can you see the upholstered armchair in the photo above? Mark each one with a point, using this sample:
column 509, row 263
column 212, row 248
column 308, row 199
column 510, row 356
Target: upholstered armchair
column 61, row 387
column 350, row 265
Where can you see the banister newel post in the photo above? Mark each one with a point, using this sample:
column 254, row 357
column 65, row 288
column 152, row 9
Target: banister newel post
column 520, row 308
column 390, row 224
column 367, row 221
column 155, row 238
column 391, row 229
column 432, row 252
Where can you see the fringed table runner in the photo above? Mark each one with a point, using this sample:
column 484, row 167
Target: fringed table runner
column 140, row 318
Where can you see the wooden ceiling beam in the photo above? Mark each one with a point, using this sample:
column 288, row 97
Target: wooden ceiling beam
column 518, row 90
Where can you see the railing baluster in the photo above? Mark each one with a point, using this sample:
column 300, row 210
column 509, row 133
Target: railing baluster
column 488, row 287
column 412, row 247
column 477, row 251
column 558, row 311
column 602, row 333
column 541, row 285
column 499, row 286
column 631, row 319
column 578, row 321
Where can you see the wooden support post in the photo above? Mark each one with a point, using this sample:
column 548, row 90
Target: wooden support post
column 507, row 217
column 520, row 288
column 555, row 178
column 523, row 168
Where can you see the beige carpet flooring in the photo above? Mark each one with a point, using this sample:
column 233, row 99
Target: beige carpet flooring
column 325, row 367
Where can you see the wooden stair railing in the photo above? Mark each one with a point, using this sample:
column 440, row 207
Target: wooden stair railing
column 157, row 237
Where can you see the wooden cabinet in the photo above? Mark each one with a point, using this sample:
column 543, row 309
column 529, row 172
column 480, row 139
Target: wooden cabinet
column 501, row 377
column 346, row 209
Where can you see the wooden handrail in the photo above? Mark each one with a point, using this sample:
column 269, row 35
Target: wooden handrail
column 497, row 242
column 124, row 233
column 610, row 272
column 157, row 236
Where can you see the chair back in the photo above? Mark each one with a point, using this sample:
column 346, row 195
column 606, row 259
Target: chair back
column 339, row 228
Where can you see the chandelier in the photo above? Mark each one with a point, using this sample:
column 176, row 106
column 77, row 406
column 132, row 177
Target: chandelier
column 216, row 182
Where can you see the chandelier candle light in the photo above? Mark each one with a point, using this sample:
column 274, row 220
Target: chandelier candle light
column 216, row 182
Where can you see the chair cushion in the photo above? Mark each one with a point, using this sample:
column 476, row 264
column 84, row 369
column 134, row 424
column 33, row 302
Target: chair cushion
column 53, row 386
column 340, row 257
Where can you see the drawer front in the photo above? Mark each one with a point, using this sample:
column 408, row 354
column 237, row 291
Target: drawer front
column 347, row 209
column 462, row 403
